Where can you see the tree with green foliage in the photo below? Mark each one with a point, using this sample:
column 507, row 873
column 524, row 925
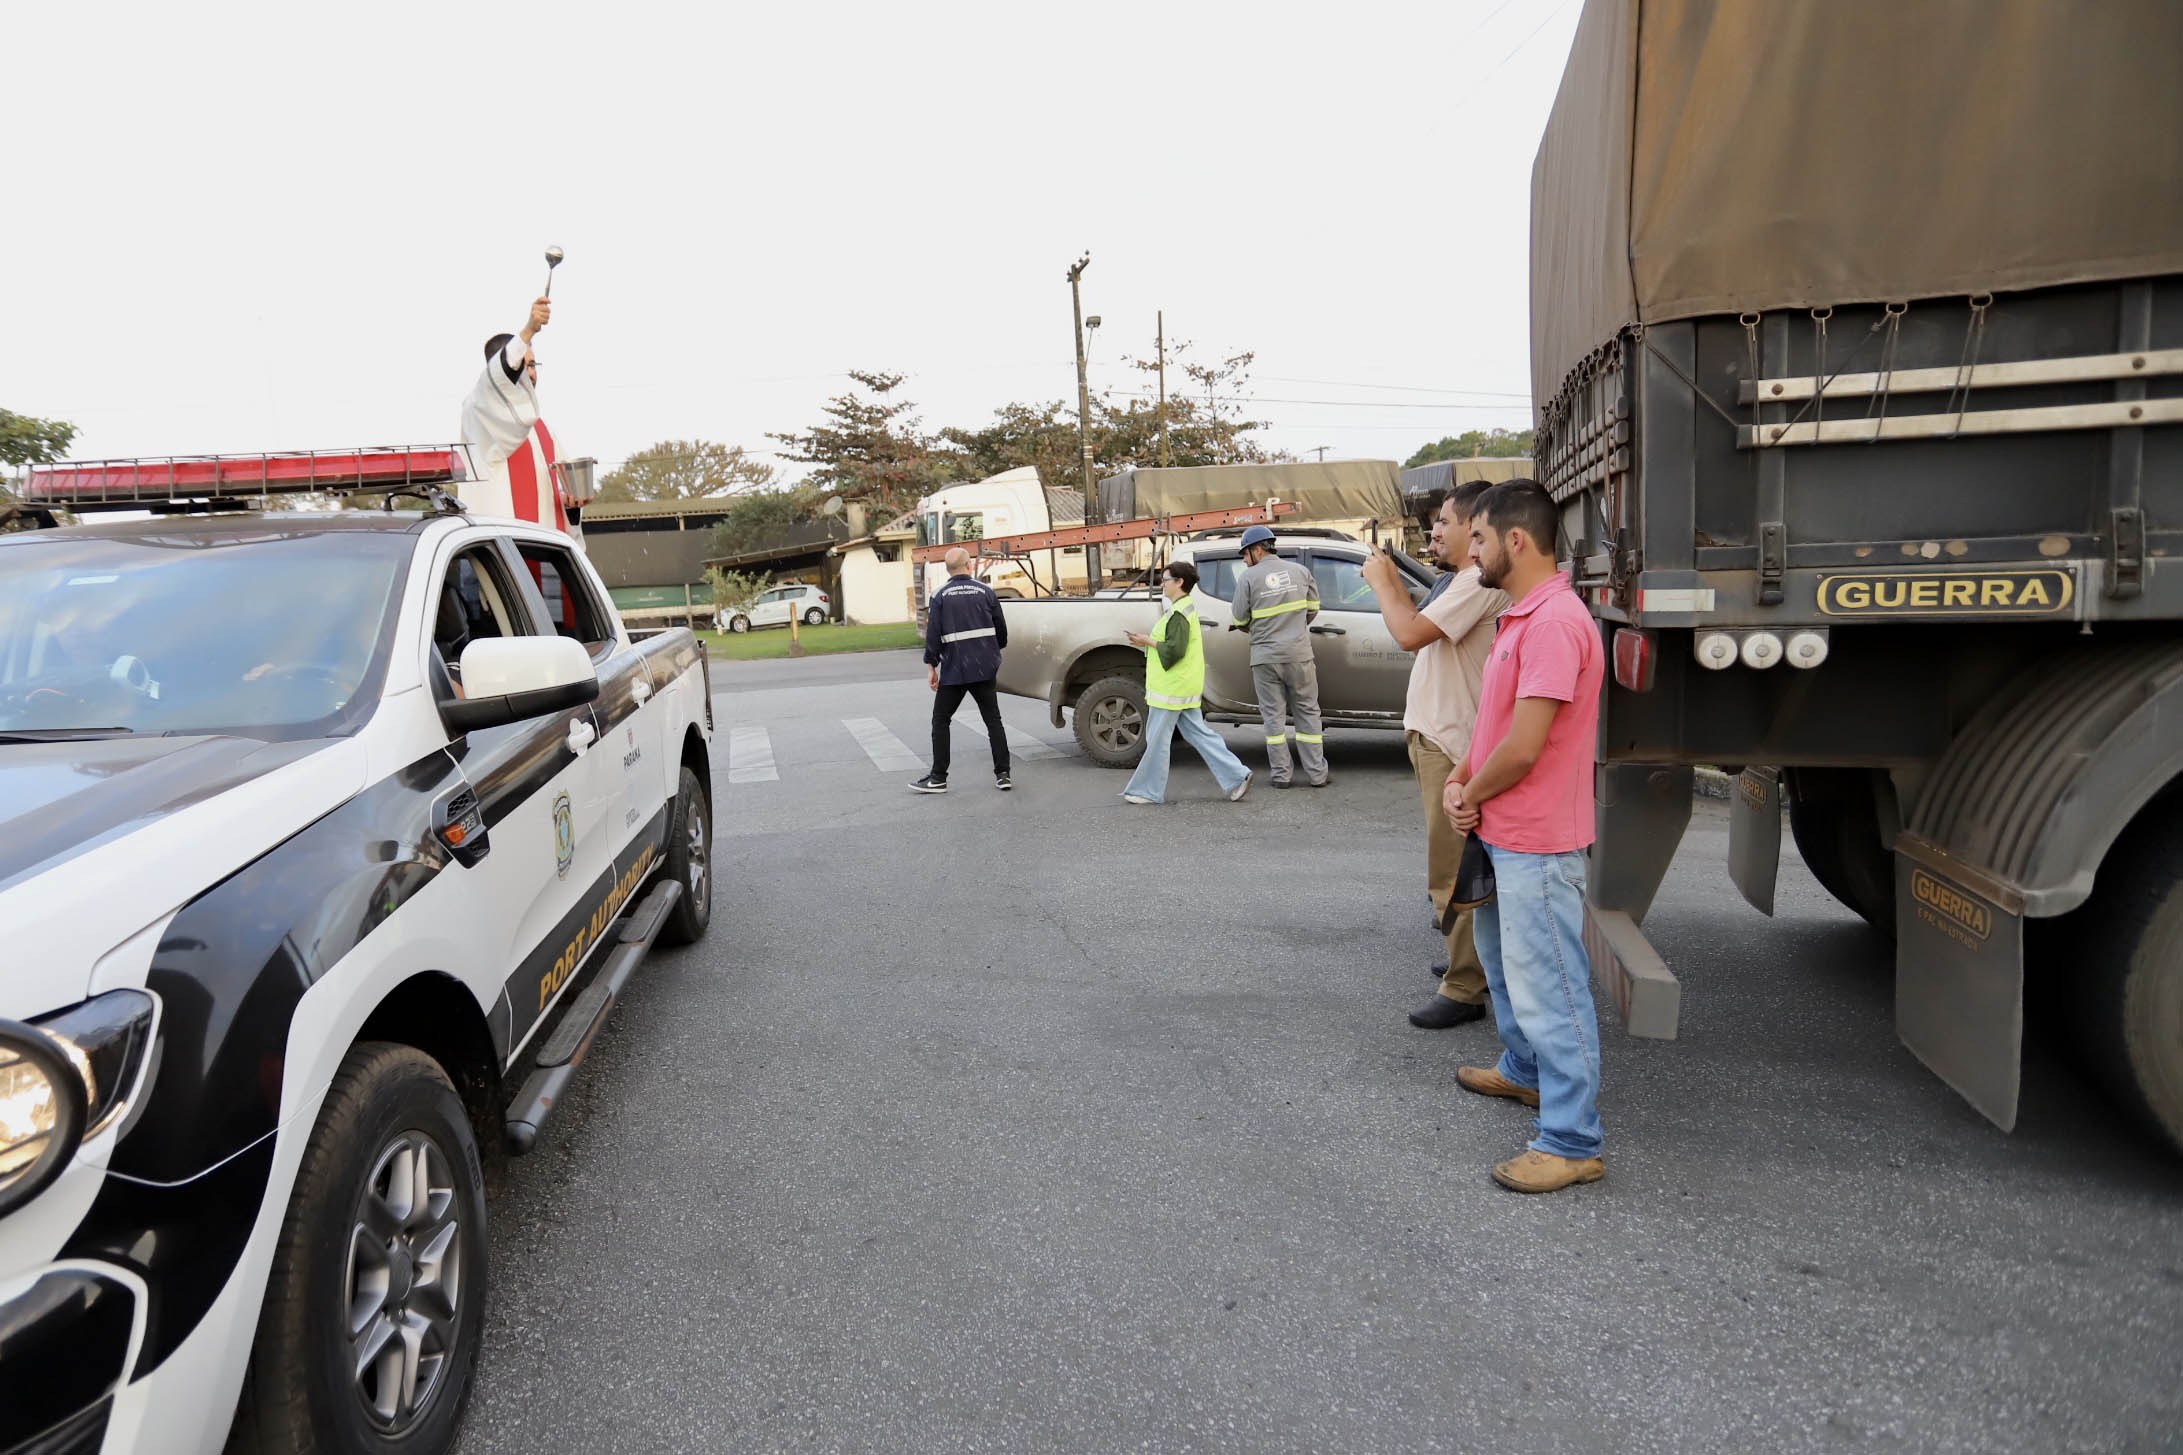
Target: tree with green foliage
column 686, row 470
column 1473, row 444
column 734, row 590
column 871, row 449
column 1206, row 425
column 763, row 516
column 28, row 441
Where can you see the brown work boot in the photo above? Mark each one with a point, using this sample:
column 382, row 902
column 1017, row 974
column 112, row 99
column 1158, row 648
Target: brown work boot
column 1488, row 1081
column 1536, row 1171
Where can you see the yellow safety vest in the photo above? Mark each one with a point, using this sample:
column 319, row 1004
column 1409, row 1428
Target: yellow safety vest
column 1182, row 686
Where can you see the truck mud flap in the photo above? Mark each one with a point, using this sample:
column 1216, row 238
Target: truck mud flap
column 1754, row 836
column 1959, row 976
column 1630, row 974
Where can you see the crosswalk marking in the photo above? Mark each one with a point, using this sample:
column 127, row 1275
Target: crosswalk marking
column 1020, row 743
column 750, row 755
column 889, row 754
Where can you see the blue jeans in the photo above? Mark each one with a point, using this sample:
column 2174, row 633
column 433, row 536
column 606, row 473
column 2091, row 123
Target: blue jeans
column 1531, row 940
column 1150, row 779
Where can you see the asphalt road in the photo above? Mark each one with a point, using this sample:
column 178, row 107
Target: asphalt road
column 1036, row 1121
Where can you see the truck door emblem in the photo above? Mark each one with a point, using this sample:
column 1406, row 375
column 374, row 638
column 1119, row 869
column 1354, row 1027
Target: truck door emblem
column 564, row 836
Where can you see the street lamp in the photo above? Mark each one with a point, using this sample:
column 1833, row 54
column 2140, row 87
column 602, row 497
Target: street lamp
column 1083, row 418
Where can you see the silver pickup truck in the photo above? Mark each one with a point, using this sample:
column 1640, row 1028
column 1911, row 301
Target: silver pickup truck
column 1072, row 652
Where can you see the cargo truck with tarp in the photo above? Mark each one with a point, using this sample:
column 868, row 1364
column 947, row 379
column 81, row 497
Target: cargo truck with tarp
column 1857, row 341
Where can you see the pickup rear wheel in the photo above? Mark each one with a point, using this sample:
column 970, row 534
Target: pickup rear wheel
column 370, row 1327
column 2124, row 1000
column 690, row 861
column 1110, row 722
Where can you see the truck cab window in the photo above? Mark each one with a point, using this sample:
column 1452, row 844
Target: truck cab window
column 1342, row 586
column 476, row 602
column 571, row 608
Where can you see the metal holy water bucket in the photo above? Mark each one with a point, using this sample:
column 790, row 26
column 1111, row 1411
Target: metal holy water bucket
column 578, row 480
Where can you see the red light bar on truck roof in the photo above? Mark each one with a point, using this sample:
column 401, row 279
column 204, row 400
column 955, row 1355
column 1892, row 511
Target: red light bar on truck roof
column 182, row 479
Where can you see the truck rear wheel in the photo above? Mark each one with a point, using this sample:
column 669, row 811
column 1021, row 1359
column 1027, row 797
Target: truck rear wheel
column 2125, row 999
column 1835, row 820
column 1110, row 722
column 689, row 861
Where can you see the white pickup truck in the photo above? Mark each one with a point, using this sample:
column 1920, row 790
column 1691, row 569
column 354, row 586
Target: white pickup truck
column 326, row 841
column 1070, row 652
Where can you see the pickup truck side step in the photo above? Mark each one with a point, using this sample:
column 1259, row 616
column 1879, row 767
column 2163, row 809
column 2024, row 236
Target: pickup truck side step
column 563, row 1051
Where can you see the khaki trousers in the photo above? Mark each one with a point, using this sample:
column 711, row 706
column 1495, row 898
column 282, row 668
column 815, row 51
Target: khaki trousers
column 1466, row 978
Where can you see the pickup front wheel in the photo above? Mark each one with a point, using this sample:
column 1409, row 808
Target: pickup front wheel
column 370, row 1327
column 1110, row 722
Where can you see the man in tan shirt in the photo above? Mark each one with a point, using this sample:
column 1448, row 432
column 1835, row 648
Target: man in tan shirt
column 1452, row 634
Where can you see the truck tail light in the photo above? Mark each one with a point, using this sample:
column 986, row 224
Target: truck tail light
column 1633, row 658
column 1761, row 650
column 1716, row 650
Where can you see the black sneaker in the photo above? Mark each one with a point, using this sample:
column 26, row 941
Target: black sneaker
column 1000, row 781
column 929, row 784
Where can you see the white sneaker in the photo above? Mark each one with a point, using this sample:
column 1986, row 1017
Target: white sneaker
column 1245, row 787
column 1137, row 798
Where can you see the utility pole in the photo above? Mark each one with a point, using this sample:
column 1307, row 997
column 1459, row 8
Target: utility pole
column 1083, row 421
column 1320, row 451
column 1161, row 316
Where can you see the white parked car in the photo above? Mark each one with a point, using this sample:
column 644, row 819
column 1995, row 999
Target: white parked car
column 777, row 608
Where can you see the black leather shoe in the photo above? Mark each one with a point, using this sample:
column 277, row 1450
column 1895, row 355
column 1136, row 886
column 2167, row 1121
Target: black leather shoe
column 1439, row 971
column 1439, row 1013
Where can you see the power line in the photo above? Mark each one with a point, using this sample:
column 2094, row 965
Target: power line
column 1479, row 86
column 1331, row 403
column 1525, row 396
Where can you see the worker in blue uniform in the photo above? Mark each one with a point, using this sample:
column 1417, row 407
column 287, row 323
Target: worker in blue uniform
column 964, row 635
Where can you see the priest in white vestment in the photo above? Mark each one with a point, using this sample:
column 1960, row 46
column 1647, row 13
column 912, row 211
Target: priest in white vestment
column 510, row 447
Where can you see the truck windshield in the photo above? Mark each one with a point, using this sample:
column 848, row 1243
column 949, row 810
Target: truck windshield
column 263, row 632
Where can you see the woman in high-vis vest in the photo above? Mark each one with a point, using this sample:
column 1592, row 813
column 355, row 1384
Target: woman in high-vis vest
column 1174, row 689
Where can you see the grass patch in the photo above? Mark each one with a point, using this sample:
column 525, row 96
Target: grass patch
column 769, row 643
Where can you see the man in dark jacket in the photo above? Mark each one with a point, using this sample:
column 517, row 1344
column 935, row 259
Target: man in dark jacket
column 964, row 635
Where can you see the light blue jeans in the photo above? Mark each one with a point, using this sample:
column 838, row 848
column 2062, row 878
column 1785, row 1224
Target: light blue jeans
column 1161, row 724
column 1531, row 940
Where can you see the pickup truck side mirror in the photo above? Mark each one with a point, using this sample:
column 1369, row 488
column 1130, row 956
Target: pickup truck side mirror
column 509, row 679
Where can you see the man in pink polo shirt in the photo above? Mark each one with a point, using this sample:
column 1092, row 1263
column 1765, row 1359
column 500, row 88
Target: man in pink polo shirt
column 1525, row 788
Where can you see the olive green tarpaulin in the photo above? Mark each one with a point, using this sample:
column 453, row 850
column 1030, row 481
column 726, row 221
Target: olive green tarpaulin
column 1333, row 490
column 1723, row 156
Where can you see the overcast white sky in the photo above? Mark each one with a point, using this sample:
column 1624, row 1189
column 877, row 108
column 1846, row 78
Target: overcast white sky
column 238, row 227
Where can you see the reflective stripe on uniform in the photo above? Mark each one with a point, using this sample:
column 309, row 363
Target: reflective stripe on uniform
column 1282, row 738
column 1263, row 611
column 1309, row 738
column 1172, row 704
column 983, row 631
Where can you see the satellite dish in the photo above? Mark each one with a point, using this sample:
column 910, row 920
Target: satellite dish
column 833, row 506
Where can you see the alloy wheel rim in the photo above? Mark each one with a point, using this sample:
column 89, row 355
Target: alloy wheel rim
column 1117, row 723
column 404, row 1282
column 699, row 882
